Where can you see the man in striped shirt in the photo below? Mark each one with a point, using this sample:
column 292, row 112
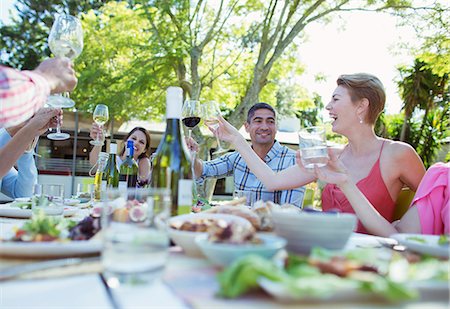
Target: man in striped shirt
column 262, row 127
column 22, row 94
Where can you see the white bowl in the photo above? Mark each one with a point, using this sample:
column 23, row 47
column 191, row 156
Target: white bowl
column 305, row 230
column 186, row 239
column 223, row 254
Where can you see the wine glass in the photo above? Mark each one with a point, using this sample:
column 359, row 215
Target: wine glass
column 65, row 40
column 101, row 116
column 211, row 113
column 191, row 118
column 191, row 115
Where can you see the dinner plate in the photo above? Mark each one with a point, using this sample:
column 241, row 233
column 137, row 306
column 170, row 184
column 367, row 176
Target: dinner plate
column 430, row 289
column 6, row 210
column 425, row 244
column 49, row 248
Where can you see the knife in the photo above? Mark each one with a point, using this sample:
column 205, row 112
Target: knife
column 15, row 271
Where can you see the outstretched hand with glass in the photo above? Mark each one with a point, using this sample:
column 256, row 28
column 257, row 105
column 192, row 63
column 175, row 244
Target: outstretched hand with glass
column 212, row 113
column 224, row 131
column 101, row 116
column 65, row 40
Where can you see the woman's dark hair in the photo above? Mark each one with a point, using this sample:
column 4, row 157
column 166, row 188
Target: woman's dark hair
column 146, row 153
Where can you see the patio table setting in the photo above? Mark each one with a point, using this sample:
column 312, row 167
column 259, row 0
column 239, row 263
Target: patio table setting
column 57, row 276
column 146, row 229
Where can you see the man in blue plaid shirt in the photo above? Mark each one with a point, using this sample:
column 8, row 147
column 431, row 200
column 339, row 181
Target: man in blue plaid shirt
column 262, row 128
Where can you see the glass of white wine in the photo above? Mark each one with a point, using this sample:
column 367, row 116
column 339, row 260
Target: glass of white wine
column 101, row 116
column 65, row 40
column 211, row 113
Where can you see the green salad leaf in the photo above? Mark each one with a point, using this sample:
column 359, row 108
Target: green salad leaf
column 47, row 225
column 443, row 240
column 302, row 278
column 417, row 239
column 243, row 274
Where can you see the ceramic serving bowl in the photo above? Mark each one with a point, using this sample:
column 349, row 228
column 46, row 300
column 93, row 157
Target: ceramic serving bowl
column 223, row 254
column 305, row 230
column 186, row 239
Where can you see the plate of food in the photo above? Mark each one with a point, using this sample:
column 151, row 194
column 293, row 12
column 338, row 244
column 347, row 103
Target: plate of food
column 434, row 245
column 21, row 208
column 331, row 276
column 49, row 237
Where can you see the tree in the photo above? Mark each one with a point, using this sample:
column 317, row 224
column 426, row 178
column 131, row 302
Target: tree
column 115, row 68
column 23, row 44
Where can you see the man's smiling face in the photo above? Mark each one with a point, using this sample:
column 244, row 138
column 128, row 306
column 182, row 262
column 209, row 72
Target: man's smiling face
column 262, row 127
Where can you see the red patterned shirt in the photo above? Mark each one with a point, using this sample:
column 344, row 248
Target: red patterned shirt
column 22, row 93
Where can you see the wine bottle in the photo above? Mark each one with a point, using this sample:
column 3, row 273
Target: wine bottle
column 111, row 170
column 172, row 162
column 129, row 169
column 101, row 163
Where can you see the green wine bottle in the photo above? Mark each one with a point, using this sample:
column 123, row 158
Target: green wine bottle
column 111, row 170
column 129, row 169
column 172, row 162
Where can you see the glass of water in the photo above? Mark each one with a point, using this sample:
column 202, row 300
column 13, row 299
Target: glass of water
column 136, row 244
column 250, row 196
column 48, row 200
column 313, row 147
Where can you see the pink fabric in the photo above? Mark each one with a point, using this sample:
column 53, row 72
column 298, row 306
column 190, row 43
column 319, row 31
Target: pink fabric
column 432, row 200
column 22, row 93
column 373, row 188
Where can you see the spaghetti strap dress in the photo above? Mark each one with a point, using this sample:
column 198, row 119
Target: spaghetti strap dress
column 373, row 188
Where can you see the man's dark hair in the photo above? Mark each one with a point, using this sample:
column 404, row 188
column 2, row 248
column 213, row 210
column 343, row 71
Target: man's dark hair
column 255, row 107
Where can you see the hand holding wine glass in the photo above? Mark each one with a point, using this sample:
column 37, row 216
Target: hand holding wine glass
column 65, row 40
column 211, row 114
column 101, row 116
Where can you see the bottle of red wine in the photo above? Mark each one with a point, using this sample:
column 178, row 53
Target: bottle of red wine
column 172, row 162
column 129, row 169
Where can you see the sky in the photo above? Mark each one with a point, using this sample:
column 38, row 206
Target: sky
column 357, row 42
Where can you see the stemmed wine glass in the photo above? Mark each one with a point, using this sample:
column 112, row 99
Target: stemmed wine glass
column 191, row 115
column 101, row 116
column 65, row 40
column 211, row 112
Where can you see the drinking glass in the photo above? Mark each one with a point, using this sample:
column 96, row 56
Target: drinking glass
column 313, row 147
column 65, row 40
column 191, row 115
column 250, row 196
column 211, row 111
column 49, row 200
column 101, row 116
column 136, row 243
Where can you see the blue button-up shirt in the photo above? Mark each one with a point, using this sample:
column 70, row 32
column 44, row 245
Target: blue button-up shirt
column 18, row 183
column 278, row 158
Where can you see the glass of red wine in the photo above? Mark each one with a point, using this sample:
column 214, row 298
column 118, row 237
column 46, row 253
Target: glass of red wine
column 191, row 115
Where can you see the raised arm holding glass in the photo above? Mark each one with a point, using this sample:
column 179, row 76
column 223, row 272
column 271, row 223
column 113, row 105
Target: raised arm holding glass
column 261, row 125
column 65, row 40
column 380, row 167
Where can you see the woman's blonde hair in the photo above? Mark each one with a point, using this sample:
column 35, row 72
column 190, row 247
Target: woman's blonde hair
column 363, row 85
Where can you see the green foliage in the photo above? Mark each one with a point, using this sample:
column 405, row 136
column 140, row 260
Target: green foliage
column 436, row 128
column 118, row 67
column 24, row 43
